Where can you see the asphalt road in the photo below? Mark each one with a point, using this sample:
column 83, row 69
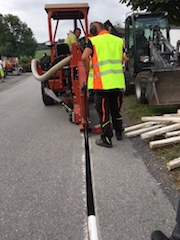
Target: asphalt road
column 42, row 176
column 11, row 79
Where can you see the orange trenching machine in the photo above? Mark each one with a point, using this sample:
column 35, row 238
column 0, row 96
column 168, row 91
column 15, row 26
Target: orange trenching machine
column 62, row 75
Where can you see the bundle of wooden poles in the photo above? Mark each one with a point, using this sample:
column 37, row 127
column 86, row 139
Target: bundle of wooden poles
column 166, row 127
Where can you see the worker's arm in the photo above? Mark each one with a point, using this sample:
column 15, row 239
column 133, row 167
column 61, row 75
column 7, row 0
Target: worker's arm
column 85, row 58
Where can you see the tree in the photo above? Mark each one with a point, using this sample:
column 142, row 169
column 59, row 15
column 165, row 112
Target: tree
column 172, row 7
column 17, row 38
column 3, row 35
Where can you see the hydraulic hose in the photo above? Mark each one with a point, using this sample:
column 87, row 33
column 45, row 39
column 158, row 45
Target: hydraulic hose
column 35, row 64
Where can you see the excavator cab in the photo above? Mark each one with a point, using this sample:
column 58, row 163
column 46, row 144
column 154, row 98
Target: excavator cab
column 138, row 34
column 151, row 69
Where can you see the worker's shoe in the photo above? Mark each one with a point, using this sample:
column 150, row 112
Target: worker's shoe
column 119, row 135
column 104, row 142
column 158, row 235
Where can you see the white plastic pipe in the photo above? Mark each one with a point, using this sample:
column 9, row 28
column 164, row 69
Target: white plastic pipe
column 92, row 227
column 50, row 72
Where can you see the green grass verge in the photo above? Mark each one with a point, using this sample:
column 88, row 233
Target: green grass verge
column 39, row 53
column 136, row 110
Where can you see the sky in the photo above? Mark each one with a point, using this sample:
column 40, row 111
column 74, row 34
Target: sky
column 34, row 15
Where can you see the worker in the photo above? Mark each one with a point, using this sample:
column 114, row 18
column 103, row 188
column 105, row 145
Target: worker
column 158, row 235
column 73, row 37
column 102, row 59
column 1, row 70
column 140, row 35
column 142, row 43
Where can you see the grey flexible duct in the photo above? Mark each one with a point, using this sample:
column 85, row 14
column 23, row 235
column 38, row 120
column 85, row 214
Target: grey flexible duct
column 50, row 72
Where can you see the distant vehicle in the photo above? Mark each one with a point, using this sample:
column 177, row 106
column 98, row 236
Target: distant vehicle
column 11, row 65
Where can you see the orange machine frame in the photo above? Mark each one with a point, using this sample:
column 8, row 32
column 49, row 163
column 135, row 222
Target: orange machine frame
column 78, row 75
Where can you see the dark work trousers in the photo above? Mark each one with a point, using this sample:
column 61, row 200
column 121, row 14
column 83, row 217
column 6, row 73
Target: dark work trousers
column 176, row 231
column 108, row 103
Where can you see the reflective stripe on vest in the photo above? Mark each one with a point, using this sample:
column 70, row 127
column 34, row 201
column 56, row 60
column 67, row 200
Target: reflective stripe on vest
column 106, row 71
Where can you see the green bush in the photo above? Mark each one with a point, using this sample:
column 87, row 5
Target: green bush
column 25, row 62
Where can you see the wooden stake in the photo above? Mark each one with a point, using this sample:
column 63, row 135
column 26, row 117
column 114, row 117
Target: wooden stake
column 173, row 164
column 171, row 115
column 169, row 119
column 140, row 125
column 142, row 130
column 164, row 142
column 172, row 134
column 160, row 131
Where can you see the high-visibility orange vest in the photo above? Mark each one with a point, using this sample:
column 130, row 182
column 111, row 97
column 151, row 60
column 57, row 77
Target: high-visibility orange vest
column 106, row 70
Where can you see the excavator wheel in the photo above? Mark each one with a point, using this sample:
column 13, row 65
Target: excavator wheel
column 140, row 86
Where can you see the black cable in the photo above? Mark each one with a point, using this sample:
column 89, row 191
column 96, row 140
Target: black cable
column 89, row 187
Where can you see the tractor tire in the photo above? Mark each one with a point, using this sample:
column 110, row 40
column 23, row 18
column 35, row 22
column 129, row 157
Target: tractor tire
column 140, row 86
column 129, row 87
column 46, row 99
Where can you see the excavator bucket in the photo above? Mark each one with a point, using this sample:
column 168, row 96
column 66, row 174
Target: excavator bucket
column 164, row 89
